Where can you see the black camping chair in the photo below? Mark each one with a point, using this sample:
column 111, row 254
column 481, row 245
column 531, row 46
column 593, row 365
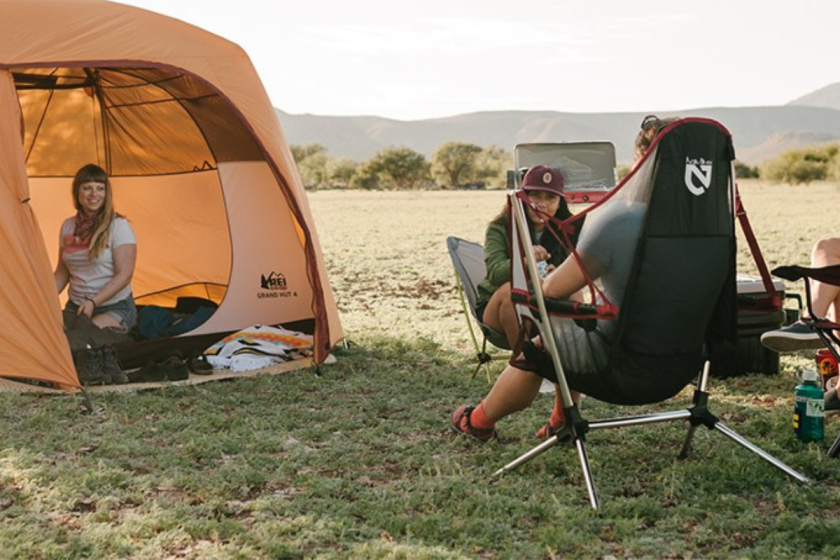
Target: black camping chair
column 468, row 260
column 824, row 328
column 680, row 301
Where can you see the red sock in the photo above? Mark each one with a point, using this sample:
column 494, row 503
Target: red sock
column 479, row 419
column 557, row 417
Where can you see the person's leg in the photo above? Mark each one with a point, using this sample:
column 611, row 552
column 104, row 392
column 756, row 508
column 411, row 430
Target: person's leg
column 579, row 350
column 557, row 419
column 514, row 390
column 106, row 320
column 500, row 314
column 825, row 297
column 120, row 316
column 824, row 301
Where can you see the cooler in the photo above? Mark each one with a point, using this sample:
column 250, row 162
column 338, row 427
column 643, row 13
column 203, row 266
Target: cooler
column 754, row 319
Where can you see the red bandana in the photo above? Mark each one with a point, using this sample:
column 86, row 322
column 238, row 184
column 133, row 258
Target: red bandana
column 84, row 228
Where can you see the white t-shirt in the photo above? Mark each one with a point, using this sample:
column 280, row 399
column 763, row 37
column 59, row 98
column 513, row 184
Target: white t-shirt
column 88, row 277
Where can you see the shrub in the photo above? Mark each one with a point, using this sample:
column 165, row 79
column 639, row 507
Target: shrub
column 744, row 171
column 803, row 165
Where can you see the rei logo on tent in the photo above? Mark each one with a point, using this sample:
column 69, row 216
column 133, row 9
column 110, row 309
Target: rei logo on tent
column 274, row 281
column 275, row 286
column 700, row 169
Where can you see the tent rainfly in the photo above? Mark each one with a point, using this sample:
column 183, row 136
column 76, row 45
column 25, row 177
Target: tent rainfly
column 181, row 122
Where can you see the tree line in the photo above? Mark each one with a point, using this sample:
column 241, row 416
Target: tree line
column 452, row 165
column 462, row 165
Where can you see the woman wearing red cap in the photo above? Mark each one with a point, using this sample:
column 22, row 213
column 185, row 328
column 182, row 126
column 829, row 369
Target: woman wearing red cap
column 544, row 186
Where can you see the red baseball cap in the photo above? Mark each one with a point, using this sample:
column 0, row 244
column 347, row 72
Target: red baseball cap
column 543, row 178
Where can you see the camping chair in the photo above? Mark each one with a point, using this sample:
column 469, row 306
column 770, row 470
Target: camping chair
column 679, row 304
column 468, row 260
column 824, row 328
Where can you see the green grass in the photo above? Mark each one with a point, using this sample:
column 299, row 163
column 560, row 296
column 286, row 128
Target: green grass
column 359, row 462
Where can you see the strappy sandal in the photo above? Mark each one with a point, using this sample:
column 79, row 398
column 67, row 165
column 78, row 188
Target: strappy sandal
column 548, row 430
column 461, row 424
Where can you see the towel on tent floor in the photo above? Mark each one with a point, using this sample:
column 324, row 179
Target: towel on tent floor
column 258, row 347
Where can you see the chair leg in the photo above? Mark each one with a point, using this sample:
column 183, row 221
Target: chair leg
column 700, row 415
column 525, row 457
column 483, row 359
column 545, row 446
column 742, row 441
column 687, row 443
column 587, row 474
column 573, row 431
column 835, row 448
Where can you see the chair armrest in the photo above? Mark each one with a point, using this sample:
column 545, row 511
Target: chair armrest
column 561, row 306
column 568, row 307
column 828, row 274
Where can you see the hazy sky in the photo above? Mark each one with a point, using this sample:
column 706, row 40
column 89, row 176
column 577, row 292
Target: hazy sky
column 434, row 58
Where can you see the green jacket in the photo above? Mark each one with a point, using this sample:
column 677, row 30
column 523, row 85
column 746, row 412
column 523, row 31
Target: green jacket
column 497, row 258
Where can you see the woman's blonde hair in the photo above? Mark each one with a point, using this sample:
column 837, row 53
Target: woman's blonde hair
column 91, row 173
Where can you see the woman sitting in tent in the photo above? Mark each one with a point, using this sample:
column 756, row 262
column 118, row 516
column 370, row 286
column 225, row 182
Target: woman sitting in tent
column 97, row 252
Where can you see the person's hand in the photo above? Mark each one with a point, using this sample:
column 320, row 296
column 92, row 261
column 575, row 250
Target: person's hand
column 540, row 253
column 549, row 268
column 86, row 308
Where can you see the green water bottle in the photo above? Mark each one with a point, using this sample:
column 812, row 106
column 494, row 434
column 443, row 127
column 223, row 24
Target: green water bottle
column 808, row 411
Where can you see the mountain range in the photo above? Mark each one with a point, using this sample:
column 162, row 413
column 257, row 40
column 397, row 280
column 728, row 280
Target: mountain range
column 759, row 133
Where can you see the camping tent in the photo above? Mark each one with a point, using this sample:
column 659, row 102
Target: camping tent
column 199, row 165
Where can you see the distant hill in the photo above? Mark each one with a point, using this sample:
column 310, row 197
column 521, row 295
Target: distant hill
column 827, row 97
column 758, row 132
column 782, row 142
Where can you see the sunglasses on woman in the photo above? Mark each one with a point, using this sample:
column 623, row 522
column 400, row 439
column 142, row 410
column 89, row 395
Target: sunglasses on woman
column 650, row 121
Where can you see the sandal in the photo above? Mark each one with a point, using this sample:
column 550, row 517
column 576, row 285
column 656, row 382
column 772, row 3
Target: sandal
column 548, row 430
column 461, row 424
column 551, row 429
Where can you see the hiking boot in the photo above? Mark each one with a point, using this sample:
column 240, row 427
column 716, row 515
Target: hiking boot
column 114, row 374
column 461, row 424
column 89, row 367
column 791, row 338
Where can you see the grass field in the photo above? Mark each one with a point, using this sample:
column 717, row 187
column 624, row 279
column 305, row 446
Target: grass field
column 359, row 462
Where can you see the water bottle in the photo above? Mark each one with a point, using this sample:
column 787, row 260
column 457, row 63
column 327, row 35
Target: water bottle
column 808, row 411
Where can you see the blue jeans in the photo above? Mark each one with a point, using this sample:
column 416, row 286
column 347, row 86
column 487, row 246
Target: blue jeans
column 123, row 311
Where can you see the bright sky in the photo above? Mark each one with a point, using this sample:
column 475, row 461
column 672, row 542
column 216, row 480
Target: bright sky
column 436, row 58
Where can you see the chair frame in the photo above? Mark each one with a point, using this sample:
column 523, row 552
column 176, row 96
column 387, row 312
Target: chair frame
column 482, row 356
column 576, row 427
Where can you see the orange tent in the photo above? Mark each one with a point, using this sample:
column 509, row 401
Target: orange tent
column 199, row 165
